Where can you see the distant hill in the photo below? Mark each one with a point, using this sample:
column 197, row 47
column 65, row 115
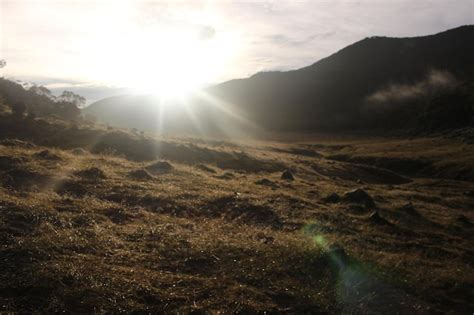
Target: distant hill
column 421, row 83
column 148, row 113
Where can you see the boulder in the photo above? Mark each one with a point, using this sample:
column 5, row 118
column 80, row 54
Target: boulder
column 140, row 175
column 287, row 175
column 332, row 198
column 409, row 209
column 47, row 155
column 359, row 196
column 375, row 218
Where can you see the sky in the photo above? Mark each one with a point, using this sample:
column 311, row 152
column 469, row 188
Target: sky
column 107, row 47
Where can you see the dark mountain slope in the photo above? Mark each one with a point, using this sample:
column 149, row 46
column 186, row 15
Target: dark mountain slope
column 330, row 94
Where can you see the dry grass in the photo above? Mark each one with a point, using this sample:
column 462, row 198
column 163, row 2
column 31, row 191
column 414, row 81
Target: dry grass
column 79, row 234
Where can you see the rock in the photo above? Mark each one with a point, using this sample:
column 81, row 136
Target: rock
column 359, row 196
column 287, row 175
column 91, row 173
column 266, row 182
column 140, row 175
column 409, row 209
column 375, row 218
column 332, row 198
column 160, row 167
column 47, row 155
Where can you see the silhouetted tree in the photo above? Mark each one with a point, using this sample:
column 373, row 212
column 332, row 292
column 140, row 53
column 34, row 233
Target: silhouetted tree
column 43, row 91
column 71, row 97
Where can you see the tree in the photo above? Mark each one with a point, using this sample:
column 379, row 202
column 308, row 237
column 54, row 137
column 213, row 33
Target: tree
column 71, row 97
column 41, row 90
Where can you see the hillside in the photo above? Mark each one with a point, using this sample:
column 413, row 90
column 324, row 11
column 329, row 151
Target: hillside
column 101, row 220
column 377, row 83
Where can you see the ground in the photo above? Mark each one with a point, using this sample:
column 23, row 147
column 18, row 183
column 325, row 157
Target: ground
column 211, row 226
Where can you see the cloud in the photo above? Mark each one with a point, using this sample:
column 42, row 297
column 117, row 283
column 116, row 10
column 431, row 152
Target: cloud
column 283, row 40
column 206, row 32
column 434, row 81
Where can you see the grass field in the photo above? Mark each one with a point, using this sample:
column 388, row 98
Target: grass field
column 130, row 223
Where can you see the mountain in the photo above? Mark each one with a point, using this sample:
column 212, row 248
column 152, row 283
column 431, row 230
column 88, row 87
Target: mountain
column 376, row 83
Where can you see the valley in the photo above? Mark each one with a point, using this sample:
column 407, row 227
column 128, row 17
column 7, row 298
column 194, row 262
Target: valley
column 106, row 220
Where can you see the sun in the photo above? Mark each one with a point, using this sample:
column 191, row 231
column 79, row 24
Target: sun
column 169, row 61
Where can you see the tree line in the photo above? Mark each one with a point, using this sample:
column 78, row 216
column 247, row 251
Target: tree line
column 39, row 101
